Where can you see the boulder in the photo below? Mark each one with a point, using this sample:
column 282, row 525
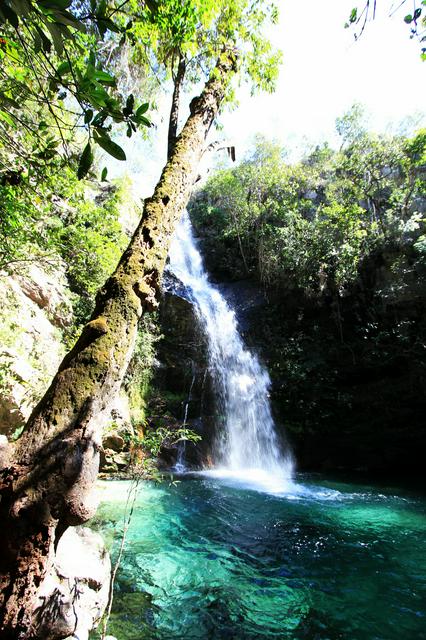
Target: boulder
column 113, row 441
column 122, row 460
column 74, row 594
column 106, row 462
column 121, row 424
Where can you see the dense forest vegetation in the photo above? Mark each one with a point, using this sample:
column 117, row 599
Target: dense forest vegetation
column 335, row 245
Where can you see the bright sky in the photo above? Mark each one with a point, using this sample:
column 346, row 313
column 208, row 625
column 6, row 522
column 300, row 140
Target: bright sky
column 324, row 72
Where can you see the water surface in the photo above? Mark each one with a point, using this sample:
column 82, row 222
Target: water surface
column 208, row 558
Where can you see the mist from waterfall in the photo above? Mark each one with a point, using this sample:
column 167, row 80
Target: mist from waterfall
column 247, row 447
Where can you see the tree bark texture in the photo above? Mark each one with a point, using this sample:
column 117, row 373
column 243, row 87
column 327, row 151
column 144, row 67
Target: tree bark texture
column 48, row 482
column 174, row 111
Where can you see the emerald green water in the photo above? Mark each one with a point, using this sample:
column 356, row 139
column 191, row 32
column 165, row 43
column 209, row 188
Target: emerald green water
column 206, row 559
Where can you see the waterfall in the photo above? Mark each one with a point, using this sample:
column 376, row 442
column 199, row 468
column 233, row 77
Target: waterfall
column 247, row 445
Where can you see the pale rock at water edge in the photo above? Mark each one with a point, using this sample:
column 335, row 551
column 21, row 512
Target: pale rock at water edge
column 74, row 595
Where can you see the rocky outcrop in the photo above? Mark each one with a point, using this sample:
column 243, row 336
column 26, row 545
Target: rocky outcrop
column 48, row 290
column 74, row 594
column 118, row 436
column 35, row 307
column 5, row 451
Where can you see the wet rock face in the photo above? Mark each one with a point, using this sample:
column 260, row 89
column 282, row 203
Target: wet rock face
column 183, row 379
column 347, row 371
column 246, row 299
column 183, row 358
column 182, row 387
column 118, row 435
column 114, row 441
column 112, row 461
column 74, row 595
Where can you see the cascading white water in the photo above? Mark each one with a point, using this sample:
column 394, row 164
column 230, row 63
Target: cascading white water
column 247, row 446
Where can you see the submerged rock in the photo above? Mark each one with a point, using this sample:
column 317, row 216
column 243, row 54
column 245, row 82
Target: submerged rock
column 74, row 595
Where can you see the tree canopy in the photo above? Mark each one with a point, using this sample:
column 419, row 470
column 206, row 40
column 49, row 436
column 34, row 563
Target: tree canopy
column 312, row 223
column 58, row 81
column 57, row 92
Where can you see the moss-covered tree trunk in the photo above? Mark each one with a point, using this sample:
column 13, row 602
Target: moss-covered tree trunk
column 46, row 484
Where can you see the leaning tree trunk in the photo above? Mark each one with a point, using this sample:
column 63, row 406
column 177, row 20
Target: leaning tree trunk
column 46, row 484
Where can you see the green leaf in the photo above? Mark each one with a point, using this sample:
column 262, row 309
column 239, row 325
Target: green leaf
column 130, row 103
column 101, row 9
column 99, row 119
column 21, row 7
column 104, row 174
column 56, row 37
column 38, row 43
column 105, row 24
column 143, row 120
column 66, row 18
column 10, row 16
column 63, row 68
column 9, row 102
column 6, row 117
column 97, row 97
column 142, row 109
column 86, row 160
column 104, row 78
column 408, row 18
column 45, row 40
column 104, row 141
column 353, row 16
column 88, row 115
column 54, row 4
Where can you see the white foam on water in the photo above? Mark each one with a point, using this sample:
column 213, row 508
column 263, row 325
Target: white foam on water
column 255, row 479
